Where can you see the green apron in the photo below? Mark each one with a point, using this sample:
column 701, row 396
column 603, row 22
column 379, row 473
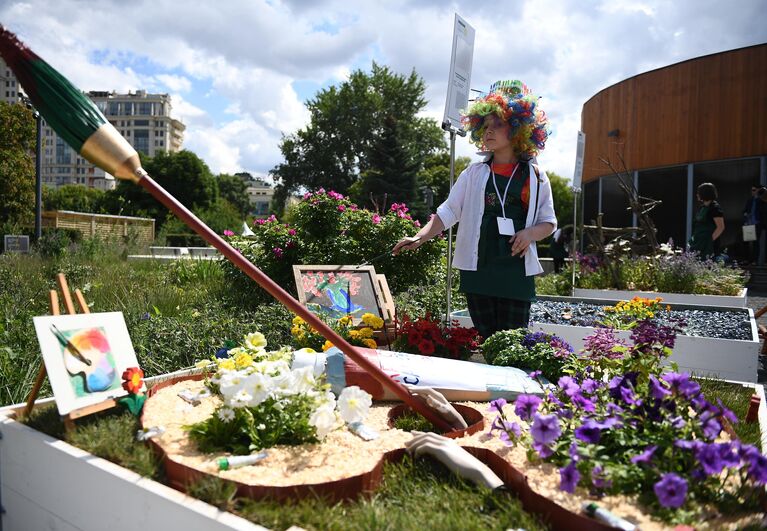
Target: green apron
column 702, row 229
column 498, row 273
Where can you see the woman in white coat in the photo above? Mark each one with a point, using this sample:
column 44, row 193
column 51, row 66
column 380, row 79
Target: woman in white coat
column 504, row 205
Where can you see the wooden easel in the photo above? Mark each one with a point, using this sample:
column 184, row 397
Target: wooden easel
column 69, row 304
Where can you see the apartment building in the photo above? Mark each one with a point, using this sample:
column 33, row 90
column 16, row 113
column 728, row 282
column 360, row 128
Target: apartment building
column 9, row 86
column 143, row 119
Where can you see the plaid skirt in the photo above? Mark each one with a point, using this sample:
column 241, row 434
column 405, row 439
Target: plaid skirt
column 493, row 314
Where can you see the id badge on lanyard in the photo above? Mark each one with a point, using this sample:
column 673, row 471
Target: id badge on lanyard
column 505, row 225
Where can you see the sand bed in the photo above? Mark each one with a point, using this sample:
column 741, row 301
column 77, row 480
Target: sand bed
column 343, row 454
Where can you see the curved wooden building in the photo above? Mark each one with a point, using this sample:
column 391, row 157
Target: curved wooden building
column 701, row 120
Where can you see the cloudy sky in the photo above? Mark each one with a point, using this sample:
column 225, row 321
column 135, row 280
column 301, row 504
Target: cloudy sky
column 239, row 71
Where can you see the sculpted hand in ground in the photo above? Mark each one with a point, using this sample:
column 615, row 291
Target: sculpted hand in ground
column 440, row 404
column 458, row 460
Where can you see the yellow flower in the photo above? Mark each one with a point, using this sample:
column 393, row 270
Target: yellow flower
column 370, row 343
column 243, row 360
column 298, row 321
column 366, row 332
column 327, row 346
column 372, row 321
column 345, row 320
column 354, row 334
column 226, row 364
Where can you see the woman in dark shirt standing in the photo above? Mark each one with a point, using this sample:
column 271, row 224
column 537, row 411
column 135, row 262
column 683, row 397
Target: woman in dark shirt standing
column 708, row 224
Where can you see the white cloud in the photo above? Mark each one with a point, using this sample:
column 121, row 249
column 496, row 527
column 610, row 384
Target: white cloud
column 245, row 55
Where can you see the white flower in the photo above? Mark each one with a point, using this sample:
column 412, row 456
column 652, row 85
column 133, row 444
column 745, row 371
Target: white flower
column 241, row 399
column 226, row 414
column 324, row 419
column 255, row 341
column 303, row 380
column 259, row 387
column 261, row 427
column 353, row 404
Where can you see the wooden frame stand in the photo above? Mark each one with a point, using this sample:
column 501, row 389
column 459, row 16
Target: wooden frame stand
column 70, row 307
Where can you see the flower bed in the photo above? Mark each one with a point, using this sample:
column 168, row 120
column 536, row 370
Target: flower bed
column 732, row 301
column 573, row 319
column 617, row 424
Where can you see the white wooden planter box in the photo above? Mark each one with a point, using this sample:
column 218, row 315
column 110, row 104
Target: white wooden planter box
column 724, row 359
column 46, row 483
column 733, row 301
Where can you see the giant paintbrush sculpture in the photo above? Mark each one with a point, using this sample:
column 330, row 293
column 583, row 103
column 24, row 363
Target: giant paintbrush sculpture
column 80, row 123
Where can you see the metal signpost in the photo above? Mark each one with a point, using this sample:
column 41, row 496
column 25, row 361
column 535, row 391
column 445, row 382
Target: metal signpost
column 577, row 180
column 457, row 100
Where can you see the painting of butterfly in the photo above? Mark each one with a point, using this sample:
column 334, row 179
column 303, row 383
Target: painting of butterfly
column 335, row 291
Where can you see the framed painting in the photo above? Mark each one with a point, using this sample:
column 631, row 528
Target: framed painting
column 85, row 356
column 333, row 291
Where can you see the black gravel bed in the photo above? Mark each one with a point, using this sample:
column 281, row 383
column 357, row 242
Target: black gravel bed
column 701, row 323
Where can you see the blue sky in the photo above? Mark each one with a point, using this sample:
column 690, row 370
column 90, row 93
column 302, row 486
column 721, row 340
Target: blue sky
column 239, row 71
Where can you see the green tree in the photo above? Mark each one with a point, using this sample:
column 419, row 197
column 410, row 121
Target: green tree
column 183, row 174
column 563, row 198
column 345, row 122
column 74, row 197
column 436, row 175
column 233, row 189
column 393, row 171
column 17, row 164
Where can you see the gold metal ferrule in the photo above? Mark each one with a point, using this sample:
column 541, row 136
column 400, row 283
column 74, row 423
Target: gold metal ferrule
column 107, row 149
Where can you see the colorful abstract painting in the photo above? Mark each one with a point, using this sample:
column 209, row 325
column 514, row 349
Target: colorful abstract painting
column 85, row 356
column 336, row 291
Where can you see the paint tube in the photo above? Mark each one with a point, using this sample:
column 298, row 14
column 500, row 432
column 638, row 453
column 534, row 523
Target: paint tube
column 239, row 461
column 456, row 380
column 364, row 432
column 147, row 433
column 603, row 515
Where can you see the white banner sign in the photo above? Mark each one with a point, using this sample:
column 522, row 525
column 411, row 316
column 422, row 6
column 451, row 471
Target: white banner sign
column 578, row 175
column 460, row 72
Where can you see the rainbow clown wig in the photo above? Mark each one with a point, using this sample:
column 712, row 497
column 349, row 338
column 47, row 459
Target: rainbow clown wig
column 513, row 102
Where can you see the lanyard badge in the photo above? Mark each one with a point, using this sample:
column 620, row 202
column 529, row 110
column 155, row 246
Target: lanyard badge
column 505, row 225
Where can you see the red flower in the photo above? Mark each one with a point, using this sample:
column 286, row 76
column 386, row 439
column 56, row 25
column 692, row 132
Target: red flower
column 426, row 347
column 133, row 380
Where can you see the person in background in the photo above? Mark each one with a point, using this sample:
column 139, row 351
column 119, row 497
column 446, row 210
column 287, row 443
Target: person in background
column 708, row 224
column 558, row 249
column 755, row 213
column 504, row 205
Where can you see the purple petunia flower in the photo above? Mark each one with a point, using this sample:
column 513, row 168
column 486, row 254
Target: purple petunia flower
column 649, row 336
column 526, row 405
column 726, row 413
column 542, row 450
column 657, row 389
column 573, row 452
column 710, row 458
column 510, row 432
column 757, row 464
column 599, row 479
column 678, row 422
column 535, row 375
column 681, row 384
column 584, row 403
column 569, row 477
column 590, row 431
column 687, row 445
column 545, row 428
column 646, row 456
column 589, row 385
column 729, row 452
column 497, row 405
column 712, row 428
column 671, row 490
column 568, row 385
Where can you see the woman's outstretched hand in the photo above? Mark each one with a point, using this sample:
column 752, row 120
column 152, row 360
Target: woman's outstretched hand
column 409, row 243
column 455, row 458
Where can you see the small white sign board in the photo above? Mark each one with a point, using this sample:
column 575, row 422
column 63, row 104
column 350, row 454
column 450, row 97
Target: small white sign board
column 459, row 81
column 14, row 243
column 580, row 150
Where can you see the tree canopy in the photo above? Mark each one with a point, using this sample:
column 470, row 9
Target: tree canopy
column 233, row 189
column 17, row 164
column 183, row 174
column 346, row 129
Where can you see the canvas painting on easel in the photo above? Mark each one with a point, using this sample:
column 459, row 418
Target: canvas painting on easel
column 85, row 356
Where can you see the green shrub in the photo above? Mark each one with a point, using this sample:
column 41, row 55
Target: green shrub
column 327, row 228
